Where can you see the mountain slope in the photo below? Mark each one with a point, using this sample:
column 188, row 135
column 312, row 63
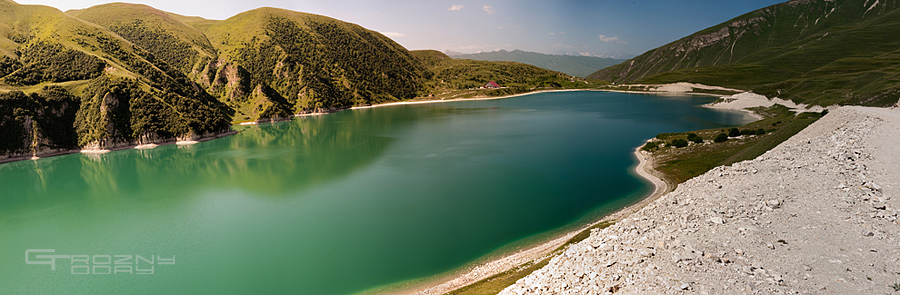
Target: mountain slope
column 158, row 32
column 578, row 66
column 57, row 71
column 270, row 63
column 818, row 52
column 315, row 63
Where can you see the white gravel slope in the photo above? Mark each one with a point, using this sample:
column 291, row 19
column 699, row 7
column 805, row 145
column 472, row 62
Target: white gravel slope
column 816, row 215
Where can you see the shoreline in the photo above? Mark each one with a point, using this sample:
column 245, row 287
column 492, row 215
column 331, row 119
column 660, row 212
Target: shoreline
column 737, row 102
column 99, row 151
column 152, row 145
column 686, row 243
column 743, row 101
column 673, row 89
column 483, row 270
column 662, row 93
column 427, row 101
column 504, row 262
column 535, row 253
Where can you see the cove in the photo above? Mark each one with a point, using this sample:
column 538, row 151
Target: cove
column 333, row 204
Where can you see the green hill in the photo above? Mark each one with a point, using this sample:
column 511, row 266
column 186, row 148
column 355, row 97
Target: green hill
column 314, row 63
column 271, row 63
column 579, row 66
column 816, row 52
column 158, row 32
column 67, row 83
column 461, row 78
column 120, row 74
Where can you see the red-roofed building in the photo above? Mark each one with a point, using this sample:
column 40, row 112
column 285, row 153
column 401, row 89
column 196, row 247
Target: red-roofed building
column 491, row 84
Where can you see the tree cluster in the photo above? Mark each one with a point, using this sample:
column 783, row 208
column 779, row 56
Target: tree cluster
column 50, row 113
column 43, row 61
column 160, row 43
column 132, row 112
column 330, row 65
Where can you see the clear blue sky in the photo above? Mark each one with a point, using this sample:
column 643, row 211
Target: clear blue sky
column 597, row 27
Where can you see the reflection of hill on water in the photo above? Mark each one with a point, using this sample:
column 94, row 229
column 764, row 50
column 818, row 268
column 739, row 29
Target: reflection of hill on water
column 267, row 160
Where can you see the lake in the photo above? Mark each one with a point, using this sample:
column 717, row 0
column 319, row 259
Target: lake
column 333, row 204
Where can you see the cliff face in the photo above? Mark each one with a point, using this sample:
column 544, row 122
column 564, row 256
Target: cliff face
column 798, row 50
column 36, row 124
column 818, row 213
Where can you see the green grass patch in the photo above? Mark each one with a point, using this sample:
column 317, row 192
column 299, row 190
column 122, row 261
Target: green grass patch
column 682, row 163
column 498, row 282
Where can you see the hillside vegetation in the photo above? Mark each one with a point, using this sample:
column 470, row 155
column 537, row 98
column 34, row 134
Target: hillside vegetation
column 816, row 52
column 271, row 63
column 462, row 78
column 579, row 66
column 67, row 83
column 169, row 39
column 116, row 75
column 315, row 63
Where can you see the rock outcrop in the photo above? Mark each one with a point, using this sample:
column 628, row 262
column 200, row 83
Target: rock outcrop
column 817, row 214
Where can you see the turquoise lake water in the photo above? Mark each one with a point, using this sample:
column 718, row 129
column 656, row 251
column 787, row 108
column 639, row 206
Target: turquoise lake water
column 333, row 204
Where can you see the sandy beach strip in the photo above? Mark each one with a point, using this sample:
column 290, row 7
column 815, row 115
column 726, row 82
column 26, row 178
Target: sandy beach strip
column 413, row 102
column 745, row 100
column 146, row 146
column 671, row 89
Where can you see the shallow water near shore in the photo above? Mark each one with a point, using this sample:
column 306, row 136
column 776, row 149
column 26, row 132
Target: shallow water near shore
column 332, row 204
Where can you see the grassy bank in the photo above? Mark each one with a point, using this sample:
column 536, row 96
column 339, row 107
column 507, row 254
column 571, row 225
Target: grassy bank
column 498, row 282
column 680, row 156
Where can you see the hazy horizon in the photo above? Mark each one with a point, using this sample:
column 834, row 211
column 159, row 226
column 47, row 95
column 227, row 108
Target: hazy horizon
column 597, row 28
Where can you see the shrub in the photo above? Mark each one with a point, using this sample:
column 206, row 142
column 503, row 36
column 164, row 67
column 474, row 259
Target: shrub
column 734, row 132
column 664, row 136
column 695, row 138
column 759, row 131
column 651, row 146
column 721, row 137
column 679, row 143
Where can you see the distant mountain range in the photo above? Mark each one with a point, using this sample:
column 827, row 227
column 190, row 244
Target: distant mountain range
column 817, row 52
column 615, row 54
column 575, row 65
